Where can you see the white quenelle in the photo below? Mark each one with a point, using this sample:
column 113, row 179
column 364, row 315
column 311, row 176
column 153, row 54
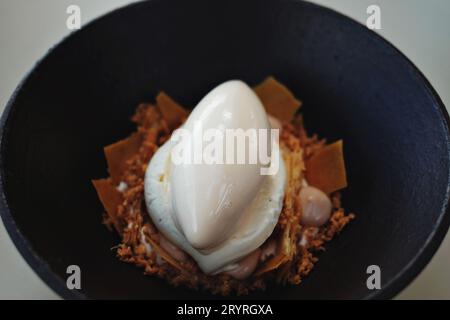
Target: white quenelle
column 217, row 213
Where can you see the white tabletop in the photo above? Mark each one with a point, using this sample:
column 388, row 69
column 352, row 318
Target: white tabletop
column 420, row 29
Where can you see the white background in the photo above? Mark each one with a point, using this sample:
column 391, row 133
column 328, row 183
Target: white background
column 419, row 28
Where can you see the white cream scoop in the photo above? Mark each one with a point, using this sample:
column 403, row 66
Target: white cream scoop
column 217, row 213
column 208, row 199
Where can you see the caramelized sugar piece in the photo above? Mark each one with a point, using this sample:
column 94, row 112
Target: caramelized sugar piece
column 281, row 256
column 118, row 153
column 171, row 111
column 164, row 255
column 325, row 170
column 110, row 199
column 287, row 243
column 277, row 99
column 147, row 116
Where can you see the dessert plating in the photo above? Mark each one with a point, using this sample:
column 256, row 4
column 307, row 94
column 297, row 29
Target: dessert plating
column 311, row 212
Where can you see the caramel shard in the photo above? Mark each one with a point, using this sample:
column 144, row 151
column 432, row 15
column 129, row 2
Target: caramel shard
column 163, row 254
column 110, row 199
column 287, row 242
column 277, row 99
column 147, row 115
column 172, row 112
column 283, row 253
column 118, row 153
column 274, row 263
column 325, row 170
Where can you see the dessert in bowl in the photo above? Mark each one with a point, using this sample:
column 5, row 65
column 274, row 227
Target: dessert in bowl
column 355, row 86
column 234, row 222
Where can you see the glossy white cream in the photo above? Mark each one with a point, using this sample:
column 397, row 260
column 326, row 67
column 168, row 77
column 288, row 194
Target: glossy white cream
column 218, row 214
column 208, row 199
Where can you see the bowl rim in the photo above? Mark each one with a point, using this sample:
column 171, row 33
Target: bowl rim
column 390, row 289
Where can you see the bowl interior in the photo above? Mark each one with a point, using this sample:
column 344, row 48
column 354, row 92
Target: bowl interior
column 354, row 86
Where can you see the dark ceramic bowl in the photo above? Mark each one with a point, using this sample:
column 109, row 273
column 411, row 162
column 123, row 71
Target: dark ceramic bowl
column 354, row 85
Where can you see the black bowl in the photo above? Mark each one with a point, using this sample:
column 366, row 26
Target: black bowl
column 354, row 85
